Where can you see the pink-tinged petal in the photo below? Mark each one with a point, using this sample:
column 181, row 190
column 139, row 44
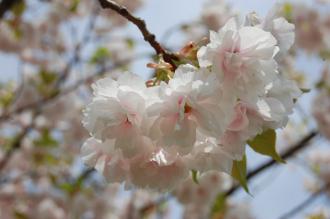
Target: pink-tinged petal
column 210, row 119
column 240, row 120
column 263, row 42
column 90, row 152
column 170, row 134
column 101, row 114
column 204, row 56
column 271, row 109
column 158, row 170
column 106, row 87
column 208, row 156
column 116, row 169
column 233, row 144
column 131, row 102
column 131, row 82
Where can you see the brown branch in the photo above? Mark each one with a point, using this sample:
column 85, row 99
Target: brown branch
column 303, row 143
column 45, row 100
column 149, row 37
column 76, row 52
column 38, row 105
column 16, row 144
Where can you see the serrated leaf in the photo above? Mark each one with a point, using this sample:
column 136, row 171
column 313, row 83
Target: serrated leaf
column 239, row 172
column 265, row 144
column 194, row 176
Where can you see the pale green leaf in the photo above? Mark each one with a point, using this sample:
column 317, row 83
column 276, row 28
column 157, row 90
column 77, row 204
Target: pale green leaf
column 239, row 172
column 194, row 176
column 219, row 205
column 265, row 144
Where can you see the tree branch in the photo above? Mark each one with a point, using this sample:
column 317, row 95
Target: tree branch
column 18, row 141
column 76, row 53
column 303, row 143
column 100, row 72
column 149, row 37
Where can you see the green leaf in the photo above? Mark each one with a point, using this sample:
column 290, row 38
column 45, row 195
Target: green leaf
column 305, row 90
column 265, row 144
column 238, row 172
column 7, row 94
column 219, row 205
column 100, row 55
column 194, row 176
column 130, row 43
column 74, row 5
column 47, row 77
column 18, row 8
column 316, row 169
column 67, row 187
column 287, row 11
column 325, row 54
column 317, row 216
column 20, row 215
column 45, row 140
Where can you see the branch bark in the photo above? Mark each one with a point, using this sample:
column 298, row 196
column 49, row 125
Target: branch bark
column 303, row 143
column 148, row 36
column 18, row 141
column 45, row 100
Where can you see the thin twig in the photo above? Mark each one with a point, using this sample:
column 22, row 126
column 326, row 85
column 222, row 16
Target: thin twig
column 303, row 143
column 16, row 144
column 42, row 101
column 37, row 106
column 148, row 36
column 76, row 53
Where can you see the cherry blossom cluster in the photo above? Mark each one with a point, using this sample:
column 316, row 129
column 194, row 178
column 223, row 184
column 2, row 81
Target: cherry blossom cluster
column 201, row 117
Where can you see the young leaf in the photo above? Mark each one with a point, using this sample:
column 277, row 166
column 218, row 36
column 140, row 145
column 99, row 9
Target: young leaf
column 45, row 140
column 239, row 172
column 219, row 206
column 47, row 77
column 265, row 144
column 100, row 55
column 194, row 176
column 74, row 5
column 305, row 90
